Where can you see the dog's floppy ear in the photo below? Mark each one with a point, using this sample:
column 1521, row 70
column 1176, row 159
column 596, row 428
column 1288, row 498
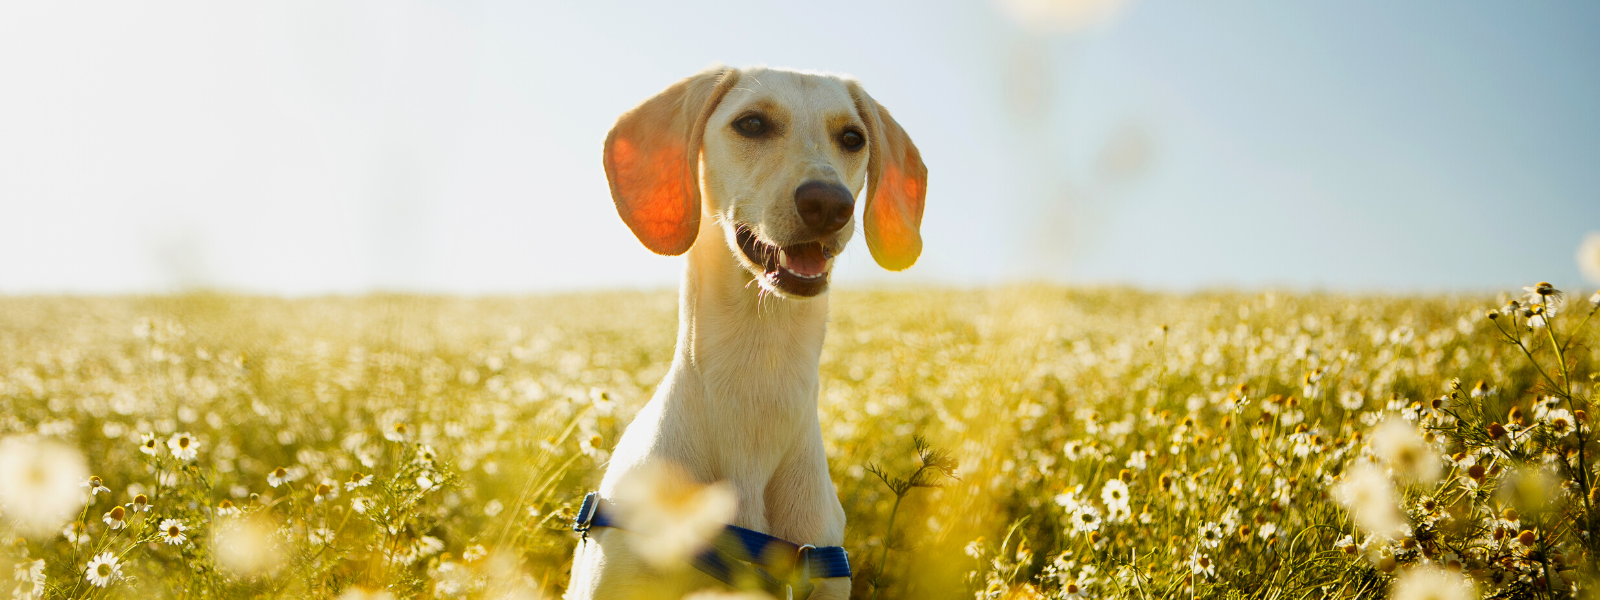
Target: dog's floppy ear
column 652, row 159
column 897, row 184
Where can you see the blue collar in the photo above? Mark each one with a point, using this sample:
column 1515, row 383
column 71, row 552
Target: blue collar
column 741, row 556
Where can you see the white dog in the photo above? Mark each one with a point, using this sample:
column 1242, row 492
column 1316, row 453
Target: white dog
column 761, row 167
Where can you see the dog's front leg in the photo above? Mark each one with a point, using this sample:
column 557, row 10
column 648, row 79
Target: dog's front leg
column 803, row 507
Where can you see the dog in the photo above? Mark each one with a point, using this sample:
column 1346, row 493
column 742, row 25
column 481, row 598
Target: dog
column 753, row 173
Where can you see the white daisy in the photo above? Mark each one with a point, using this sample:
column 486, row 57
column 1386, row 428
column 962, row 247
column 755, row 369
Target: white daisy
column 428, row 545
column 279, row 476
column 1085, row 519
column 321, row 536
column 141, row 503
column 148, row 444
column 116, row 517
column 1115, row 494
column 103, row 569
column 1560, row 422
column 172, row 531
column 95, row 485
column 1200, row 564
column 357, row 480
column 1210, row 535
column 1073, row 450
column 1071, row 590
column 1137, row 460
column 183, row 446
column 592, row 445
column 1268, row 531
column 1352, row 400
column 227, row 508
column 76, row 533
column 396, row 432
column 1541, row 293
column 1068, row 500
column 325, row 490
column 1119, row 514
column 31, row 576
column 1347, row 545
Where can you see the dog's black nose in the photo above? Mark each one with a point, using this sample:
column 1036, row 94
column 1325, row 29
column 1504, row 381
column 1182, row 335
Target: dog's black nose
column 825, row 207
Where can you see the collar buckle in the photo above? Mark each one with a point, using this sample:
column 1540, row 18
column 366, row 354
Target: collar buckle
column 799, row 586
column 586, row 513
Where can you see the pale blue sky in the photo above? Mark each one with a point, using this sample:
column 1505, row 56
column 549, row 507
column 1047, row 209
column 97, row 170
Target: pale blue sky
column 315, row 147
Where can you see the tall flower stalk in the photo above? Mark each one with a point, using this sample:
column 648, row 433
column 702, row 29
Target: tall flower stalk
column 936, row 465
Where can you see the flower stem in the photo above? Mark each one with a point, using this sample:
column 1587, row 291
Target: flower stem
column 887, row 534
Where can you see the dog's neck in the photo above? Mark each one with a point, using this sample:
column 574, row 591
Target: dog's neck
column 749, row 350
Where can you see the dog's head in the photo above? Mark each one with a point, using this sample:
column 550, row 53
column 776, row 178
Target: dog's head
column 776, row 159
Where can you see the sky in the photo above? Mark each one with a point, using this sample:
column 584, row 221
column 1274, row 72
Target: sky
column 315, row 147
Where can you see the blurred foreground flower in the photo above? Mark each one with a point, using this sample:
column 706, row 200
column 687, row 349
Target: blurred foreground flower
column 1399, row 444
column 1368, row 495
column 360, row 593
column 1589, row 257
column 1060, row 15
column 715, row 595
column 669, row 516
column 40, row 484
column 1430, row 583
column 245, row 546
column 1532, row 489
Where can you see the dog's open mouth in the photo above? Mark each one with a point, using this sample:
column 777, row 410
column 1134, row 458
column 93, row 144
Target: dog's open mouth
column 797, row 270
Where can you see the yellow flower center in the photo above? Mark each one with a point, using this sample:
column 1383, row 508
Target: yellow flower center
column 104, row 570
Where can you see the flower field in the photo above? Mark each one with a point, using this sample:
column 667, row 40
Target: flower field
column 1025, row 442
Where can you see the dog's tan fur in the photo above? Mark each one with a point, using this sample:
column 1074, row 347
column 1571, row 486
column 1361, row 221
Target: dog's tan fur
column 739, row 403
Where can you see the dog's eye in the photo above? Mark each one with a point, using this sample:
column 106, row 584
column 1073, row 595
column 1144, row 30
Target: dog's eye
column 752, row 125
column 852, row 140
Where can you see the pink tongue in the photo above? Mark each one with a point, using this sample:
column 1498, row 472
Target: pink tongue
column 805, row 259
